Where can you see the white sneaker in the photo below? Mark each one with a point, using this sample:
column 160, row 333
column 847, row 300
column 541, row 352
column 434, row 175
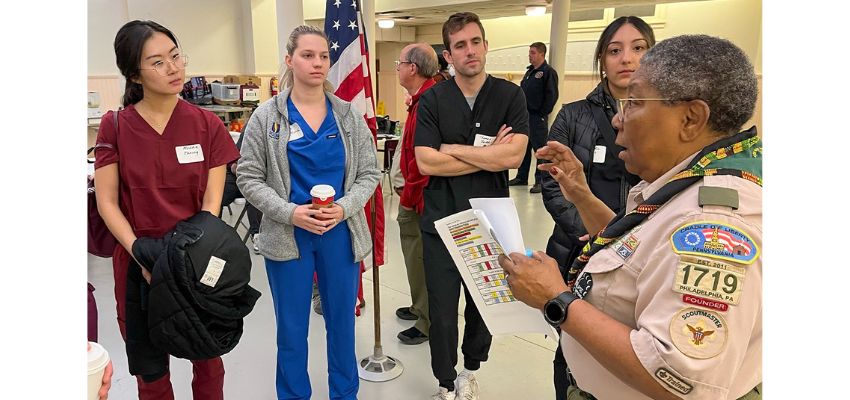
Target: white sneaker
column 254, row 241
column 466, row 386
column 444, row 394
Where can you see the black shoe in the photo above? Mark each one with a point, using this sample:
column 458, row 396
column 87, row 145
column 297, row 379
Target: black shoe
column 537, row 188
column 412, row 336
column 405, row 314
column 517, row 182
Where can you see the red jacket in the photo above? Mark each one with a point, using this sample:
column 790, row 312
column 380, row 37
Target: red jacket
column 414, row 182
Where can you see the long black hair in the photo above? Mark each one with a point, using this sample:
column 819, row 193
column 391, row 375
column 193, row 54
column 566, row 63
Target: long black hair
column 612, row 28
column 129, row 42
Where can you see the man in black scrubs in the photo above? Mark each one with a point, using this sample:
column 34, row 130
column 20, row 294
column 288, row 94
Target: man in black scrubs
column 470, row 131
column 540, row 85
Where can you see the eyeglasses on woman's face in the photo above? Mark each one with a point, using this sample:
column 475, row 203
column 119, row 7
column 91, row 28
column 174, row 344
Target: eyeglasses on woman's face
column 626, row 104
column 178, row 60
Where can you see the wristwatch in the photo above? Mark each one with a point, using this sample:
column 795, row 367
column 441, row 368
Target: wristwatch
column 555, row 310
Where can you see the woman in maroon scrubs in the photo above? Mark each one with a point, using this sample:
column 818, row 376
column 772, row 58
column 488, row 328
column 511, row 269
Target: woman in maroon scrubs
column 164, row 162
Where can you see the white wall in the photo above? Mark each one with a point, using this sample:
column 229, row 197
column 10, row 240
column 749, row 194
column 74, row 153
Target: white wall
column 210, row 32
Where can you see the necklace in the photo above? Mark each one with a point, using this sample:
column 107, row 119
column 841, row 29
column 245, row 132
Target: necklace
column 149, row 118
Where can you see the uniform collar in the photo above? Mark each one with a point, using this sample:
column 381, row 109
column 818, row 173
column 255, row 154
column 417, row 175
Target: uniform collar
column 415, row 98
column 542, row 66
column 644, row 189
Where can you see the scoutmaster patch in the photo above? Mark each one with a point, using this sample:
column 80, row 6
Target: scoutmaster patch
column 711, row 279
column 715, row 240
column 698, row 333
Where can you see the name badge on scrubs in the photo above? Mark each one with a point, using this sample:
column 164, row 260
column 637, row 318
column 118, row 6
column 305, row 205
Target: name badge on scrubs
column 295, row 132
column 483, row 140
column 189, row 154
column 599, row 154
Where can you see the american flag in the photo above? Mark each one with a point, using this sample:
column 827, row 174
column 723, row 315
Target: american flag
column 350, row 75
column 729, row 242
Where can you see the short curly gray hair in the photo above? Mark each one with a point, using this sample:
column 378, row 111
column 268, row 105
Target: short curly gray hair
column 711, row 69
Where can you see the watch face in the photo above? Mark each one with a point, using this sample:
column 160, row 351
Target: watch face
column 554, row 312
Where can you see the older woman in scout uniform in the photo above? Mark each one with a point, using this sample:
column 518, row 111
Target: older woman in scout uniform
column 665, row 302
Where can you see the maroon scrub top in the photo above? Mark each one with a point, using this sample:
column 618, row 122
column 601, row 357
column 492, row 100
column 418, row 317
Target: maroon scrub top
column 156, row 189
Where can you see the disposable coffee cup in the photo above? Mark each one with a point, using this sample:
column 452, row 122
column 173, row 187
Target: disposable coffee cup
column 98, row 359
column 323, row 196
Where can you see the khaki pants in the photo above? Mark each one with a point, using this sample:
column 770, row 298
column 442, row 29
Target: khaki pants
column 411, row 248
column 574, row 393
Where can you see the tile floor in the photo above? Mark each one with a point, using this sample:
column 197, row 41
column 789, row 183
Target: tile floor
column 520, row 367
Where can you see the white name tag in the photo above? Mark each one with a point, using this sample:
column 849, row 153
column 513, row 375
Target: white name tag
column 483, row 140
column 214, row 269
column 599, row 154
column 295, row 132
column 189, row 154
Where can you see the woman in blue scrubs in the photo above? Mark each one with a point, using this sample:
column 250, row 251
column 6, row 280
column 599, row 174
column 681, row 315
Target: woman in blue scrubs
column 302, row 137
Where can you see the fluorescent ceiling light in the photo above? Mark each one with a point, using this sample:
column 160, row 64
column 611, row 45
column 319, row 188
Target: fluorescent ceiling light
column 386, row 23
column 535, row 11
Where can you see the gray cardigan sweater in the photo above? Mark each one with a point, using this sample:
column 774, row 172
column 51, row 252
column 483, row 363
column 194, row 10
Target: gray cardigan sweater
column 262, row 175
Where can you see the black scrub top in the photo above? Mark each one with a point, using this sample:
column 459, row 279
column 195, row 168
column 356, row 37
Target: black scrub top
column 444, row 116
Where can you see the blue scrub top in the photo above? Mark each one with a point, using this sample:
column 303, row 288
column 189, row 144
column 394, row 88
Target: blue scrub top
column 315, row 158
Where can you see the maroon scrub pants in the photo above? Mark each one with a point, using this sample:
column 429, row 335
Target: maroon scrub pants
column 208, row 375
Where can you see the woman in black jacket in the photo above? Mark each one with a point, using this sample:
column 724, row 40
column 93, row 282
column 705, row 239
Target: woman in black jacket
column 585, row 126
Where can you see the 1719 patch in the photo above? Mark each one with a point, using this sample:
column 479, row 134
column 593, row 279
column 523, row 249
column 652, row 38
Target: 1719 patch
column 715, row 240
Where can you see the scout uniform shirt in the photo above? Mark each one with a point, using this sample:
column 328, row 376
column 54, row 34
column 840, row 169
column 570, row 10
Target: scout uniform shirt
column 688, row 282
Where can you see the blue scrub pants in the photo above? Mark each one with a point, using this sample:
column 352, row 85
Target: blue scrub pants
column 291, row 282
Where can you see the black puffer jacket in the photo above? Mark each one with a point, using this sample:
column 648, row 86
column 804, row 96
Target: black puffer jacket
column 576, row 127
column 199, row 290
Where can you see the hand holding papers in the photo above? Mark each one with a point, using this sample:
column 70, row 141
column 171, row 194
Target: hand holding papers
column 475, row 238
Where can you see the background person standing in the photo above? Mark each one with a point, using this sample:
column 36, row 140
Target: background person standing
column 416, row 64
column 540, row 85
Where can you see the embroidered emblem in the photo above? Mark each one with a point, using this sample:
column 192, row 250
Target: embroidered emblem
column 583, row 285
column 674, row 382
column 710, row 279
column 538, row 74
column 698, row 333
column 715, row 240
column 627, row 247
column 274, row 133
column 703, row 302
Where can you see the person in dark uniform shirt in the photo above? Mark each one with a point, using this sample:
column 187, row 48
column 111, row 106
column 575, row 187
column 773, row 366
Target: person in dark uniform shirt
column 540, row 85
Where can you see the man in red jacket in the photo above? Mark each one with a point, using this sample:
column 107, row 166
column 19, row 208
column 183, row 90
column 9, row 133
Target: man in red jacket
column 416, row 65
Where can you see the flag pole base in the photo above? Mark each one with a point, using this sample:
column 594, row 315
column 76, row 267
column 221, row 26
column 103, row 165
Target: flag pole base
column 379, row 368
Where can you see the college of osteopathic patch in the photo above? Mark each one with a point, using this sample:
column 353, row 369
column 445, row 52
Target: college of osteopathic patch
column 698, row 333
column 715, row 240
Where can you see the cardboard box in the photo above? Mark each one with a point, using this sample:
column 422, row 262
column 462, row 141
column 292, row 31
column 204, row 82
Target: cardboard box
column 242, row 80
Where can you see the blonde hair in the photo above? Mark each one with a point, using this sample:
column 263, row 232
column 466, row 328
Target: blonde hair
column 287, row 80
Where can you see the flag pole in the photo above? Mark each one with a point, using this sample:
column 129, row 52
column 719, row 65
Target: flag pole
column 378, row 367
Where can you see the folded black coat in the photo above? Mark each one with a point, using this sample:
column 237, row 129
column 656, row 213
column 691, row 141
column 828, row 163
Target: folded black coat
column 199, row 290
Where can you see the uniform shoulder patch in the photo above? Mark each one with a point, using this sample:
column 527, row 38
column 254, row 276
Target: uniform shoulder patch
column 718, row 196
column 710, row 279
column 674, row 382
column 715, row 240
column 698, row 333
